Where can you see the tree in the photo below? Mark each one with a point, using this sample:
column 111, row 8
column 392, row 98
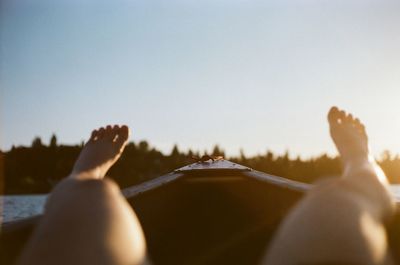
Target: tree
column 217, row 151
column 242, row 156
column 143, row 146
column 53, row 141
column 37, row 142
column 386, row 156
column 175, row 151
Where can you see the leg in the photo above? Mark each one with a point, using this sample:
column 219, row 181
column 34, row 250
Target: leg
column 87, row 220
column 340, row 221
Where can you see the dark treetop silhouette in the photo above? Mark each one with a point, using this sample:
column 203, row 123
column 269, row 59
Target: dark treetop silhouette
column 36, row 169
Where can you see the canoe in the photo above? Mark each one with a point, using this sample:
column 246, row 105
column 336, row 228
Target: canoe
column 209, row 212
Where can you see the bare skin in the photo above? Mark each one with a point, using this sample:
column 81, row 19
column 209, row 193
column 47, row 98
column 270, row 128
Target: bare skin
column 349, row 136
column 103, row 149
column 340, row 221
column 351, row 140
column 87, row 220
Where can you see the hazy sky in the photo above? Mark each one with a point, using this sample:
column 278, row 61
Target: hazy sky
column 255, row 75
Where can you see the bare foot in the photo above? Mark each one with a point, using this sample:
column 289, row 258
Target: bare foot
column 360, row 169
column 349, row 136
column 351, row 140
column 102, row 150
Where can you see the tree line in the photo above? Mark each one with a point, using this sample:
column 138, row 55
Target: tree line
column 36, row 169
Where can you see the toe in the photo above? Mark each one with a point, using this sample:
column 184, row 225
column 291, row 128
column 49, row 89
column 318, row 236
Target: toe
column 101, row 133
column 94, row 135
column 123, row 135
column 349, row 119
column 342, row 115
column 358, row 124
column 108, row 131
column 363, row 130
column 114, row 132
column 333, row 115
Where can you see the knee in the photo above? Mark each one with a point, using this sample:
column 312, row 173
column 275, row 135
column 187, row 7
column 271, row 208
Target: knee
column 76, row 186
column 97, row 186
column 76, row 192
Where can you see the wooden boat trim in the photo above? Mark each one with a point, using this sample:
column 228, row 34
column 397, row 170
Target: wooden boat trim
column 279, row 181
column 217, row 167
column 151, row 184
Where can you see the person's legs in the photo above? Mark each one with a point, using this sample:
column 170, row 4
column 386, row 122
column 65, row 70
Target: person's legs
column 340, row 221
column 87, row 220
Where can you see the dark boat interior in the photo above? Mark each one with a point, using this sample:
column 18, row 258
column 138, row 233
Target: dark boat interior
column 207, row 218
column 211, row 222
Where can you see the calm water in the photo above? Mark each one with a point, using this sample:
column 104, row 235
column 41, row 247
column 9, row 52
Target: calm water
column 21, row 206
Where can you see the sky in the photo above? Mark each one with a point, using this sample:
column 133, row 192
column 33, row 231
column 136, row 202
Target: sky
column 251, row 75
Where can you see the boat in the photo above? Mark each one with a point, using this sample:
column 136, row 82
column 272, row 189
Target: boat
column 210, row 212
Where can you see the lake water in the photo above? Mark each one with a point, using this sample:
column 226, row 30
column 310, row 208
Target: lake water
column 21, row 206
column 16, row 207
